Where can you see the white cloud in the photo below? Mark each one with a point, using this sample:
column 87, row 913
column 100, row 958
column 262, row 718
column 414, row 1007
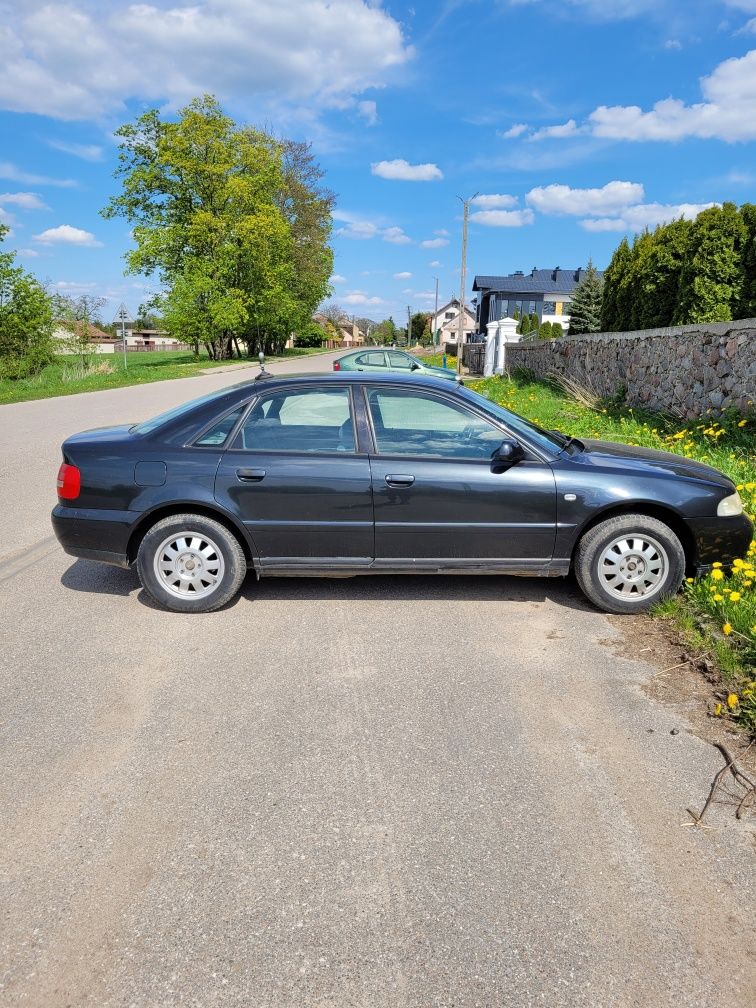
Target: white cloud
column 402, row 171
column 360, row 298
column 25, row 200
column 435, row 264
column 7, row 219
column 402, row 276
column 441, row 232
column 337, row 278
column 368, row 110
column 559, row 132
column 494, row 201
column 73, row 285
column 82, row 60
column 673, row 43
column 434, row 243
column 562, row 200
column 13, row 174
column 645, row 215
column 67, row 235
column 396, row 236
column 749, row 28
column 514, row 131
column 503, row 218
column 28, row 253
column 87, row 152
column 359, row 230
column 726, row 113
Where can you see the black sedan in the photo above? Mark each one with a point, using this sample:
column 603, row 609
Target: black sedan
column 362, row 473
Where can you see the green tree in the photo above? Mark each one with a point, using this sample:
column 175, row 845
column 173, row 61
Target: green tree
column 384, row 333
column 232, row 221
column 26, row 319
column 310, row 335
column 712, row 278
column 585, row 306
column 78, row 316
column 418, row 325
column 656, row 280
column 747, row 305
column 615, row 315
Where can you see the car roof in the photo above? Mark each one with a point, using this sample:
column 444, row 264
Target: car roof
column 270, row 380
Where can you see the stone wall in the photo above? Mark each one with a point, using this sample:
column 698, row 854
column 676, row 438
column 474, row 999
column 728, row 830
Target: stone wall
column 684, row 370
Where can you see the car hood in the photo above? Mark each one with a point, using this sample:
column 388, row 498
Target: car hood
column 440, row 372
column 610, row 454
column 121, row 432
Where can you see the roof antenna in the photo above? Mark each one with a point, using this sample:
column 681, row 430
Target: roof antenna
column 263, row 373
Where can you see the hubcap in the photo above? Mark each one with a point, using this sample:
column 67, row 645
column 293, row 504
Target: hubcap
column 188, row 565
column 633, row 567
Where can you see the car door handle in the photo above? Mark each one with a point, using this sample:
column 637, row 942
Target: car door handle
column 399, row 480
column 250, row 475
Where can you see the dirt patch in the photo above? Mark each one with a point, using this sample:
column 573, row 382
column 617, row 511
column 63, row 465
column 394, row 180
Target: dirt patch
column 685, row 680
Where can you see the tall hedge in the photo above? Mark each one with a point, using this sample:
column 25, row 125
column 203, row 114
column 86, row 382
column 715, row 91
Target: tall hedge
column 685, row 271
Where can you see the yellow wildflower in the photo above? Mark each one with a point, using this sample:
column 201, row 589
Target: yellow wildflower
column 735, row 596
column 727, row 629
column 716, row 564
column 732, row 701
column 717, row 710
column 717, row 574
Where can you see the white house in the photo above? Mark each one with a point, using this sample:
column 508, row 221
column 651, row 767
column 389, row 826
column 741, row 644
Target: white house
column 447, row 321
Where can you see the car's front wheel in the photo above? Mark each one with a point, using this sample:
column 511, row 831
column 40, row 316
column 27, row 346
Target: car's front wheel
column 627, row 563
column 191, row 563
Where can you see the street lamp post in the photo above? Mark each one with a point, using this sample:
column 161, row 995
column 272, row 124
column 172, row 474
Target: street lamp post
column 463, row 281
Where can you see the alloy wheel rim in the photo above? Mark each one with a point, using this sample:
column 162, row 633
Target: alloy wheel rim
column 633, row 566
column 189, row 566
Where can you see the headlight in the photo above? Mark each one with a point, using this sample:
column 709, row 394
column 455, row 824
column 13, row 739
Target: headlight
column 730, row 506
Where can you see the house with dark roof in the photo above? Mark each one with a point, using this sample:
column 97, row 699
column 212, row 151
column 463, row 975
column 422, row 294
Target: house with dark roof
column 544, row 292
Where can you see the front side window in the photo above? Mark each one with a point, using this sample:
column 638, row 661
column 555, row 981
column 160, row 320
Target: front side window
column 400, row 360
column 549, row 308
column 300, row 420
column 407, row 422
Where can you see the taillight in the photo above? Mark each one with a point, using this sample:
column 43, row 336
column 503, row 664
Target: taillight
column 69, row 482
column 336, row 366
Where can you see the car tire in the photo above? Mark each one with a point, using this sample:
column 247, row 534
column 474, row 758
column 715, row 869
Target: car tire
column 190, row 563
column 628, row 563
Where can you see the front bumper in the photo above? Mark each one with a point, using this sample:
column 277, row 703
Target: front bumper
column 94, row 534
column 720, row 539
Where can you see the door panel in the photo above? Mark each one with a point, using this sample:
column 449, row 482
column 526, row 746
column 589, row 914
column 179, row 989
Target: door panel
column 295, row 481
column 438, row 496
column 462, row 511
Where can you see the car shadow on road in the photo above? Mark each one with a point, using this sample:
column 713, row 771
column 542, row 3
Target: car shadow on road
column 101, row 579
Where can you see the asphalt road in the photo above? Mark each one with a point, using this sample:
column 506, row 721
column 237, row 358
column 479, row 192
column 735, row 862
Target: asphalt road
column 378, row 792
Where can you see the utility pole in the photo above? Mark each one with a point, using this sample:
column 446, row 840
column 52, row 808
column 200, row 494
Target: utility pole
column 463, row 281
column 435, row 316
column 122, row 315
column 409, row 325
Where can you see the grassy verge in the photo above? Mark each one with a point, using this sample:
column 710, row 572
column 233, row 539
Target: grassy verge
column 69, row 375
column 715, row 615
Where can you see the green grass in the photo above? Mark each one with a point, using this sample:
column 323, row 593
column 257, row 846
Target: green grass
column 716, row 614
column 68, row 375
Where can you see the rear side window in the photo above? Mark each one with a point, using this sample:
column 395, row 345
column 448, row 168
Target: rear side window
column 373, row 359
column 217, row 435
column 302, row 420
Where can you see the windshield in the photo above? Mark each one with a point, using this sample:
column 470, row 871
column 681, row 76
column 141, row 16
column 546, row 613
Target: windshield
column 147, row 426
column 547, row 440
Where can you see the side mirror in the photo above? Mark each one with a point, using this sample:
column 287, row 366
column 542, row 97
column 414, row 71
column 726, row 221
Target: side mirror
column 414, row 366
column 508, row 453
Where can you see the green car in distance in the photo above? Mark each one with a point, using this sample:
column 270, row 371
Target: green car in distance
column 385, row 361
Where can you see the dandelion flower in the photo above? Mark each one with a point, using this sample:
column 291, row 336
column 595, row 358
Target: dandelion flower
column 727, row 629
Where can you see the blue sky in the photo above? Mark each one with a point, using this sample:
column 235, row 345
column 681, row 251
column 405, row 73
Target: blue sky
column 576, row 122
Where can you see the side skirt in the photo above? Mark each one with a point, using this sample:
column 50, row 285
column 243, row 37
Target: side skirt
column 512, row 568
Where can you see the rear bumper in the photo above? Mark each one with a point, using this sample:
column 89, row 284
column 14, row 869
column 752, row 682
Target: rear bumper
column 94, row 534
column 722, row 539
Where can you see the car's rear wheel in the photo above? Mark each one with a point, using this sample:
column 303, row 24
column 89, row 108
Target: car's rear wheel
column 191, row 563
column 628, row 563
